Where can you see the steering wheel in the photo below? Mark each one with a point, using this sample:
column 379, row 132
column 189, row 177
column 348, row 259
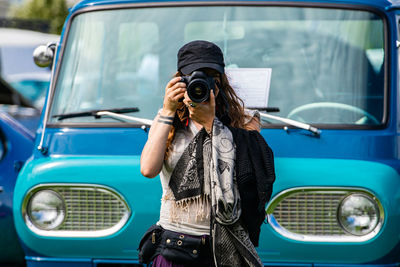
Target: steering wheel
column 295, row 113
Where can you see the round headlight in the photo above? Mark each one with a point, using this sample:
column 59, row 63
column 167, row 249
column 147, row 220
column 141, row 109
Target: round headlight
column 46, row 209
column 358, row 214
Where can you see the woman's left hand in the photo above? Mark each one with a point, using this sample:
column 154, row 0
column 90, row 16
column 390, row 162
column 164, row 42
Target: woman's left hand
column 202, row 113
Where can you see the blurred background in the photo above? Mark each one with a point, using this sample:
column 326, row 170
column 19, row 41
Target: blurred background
column 25, row 24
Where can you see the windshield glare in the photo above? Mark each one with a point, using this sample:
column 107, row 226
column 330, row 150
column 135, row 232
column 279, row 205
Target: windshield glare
column 326, row 65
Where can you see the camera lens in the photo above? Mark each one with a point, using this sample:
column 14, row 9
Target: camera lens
column 198, row 91
column 199, row 85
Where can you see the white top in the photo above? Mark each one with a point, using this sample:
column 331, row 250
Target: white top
column 193, row 217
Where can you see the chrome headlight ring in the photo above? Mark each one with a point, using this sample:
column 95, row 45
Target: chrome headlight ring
column 46, row 210
column 358, row 214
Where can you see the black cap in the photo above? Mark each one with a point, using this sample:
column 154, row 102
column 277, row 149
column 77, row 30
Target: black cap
column 200, row 54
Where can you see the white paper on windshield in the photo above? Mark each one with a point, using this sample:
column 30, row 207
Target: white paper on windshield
column 251, row 85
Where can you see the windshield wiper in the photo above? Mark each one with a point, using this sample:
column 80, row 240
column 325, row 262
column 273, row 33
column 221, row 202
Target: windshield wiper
column 294, row 123
column 266, row 109
column 94, row 113
column 111, row 113
column 125, row 118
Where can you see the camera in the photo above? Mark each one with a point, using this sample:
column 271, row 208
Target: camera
column 198, row 86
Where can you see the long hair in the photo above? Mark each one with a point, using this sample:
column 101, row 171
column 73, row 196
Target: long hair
column 229, row 110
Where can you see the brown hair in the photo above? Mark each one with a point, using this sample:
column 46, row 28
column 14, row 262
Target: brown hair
column 229, row 110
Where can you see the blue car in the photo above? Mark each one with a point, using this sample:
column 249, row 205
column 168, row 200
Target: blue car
column 322, row 73
column 18, row 120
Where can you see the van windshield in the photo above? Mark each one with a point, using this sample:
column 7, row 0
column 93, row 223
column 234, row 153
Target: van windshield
column 322, row 66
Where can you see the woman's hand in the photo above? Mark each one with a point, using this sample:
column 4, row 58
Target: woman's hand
column 202, row 113
column 174, row 91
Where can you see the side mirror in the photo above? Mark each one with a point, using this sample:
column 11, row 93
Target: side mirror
column 44, row 54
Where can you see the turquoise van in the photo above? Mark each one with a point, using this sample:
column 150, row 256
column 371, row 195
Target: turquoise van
column 327, row 89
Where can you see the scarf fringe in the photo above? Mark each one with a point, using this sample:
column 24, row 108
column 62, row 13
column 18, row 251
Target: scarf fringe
column 200, row 204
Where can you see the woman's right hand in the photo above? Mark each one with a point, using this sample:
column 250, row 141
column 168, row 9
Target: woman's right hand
column 174, row 91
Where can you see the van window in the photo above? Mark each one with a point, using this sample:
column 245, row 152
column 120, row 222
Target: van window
column 327, row 64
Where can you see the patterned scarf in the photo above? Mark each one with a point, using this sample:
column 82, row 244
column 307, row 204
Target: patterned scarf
column 187, row 179
column 207, row 167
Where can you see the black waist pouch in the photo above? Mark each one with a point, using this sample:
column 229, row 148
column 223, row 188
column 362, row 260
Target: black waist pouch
column 181, row 248
column 173, row 246
column 149, row 244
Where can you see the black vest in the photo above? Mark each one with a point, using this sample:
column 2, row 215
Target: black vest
column 255, row 174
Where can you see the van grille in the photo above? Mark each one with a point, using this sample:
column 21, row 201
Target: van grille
column 91, row 209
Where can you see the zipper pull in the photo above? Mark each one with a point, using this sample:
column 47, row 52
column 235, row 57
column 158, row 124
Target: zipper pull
column 153, row 238
column 203, row 240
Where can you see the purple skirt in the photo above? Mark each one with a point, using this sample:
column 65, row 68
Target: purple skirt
column 160, row 261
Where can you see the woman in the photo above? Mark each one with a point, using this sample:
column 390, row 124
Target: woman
column 191, row 146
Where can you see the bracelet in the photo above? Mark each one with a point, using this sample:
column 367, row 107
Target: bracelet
column 164, row 121
column 167, row 118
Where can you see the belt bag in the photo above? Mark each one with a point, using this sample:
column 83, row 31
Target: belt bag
column 181, row 248
column 149, row 244
column 173, row 246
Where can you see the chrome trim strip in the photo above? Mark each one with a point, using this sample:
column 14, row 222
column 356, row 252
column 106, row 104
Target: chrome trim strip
column 90, row 234
column 318, row 238
column 40, row 147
